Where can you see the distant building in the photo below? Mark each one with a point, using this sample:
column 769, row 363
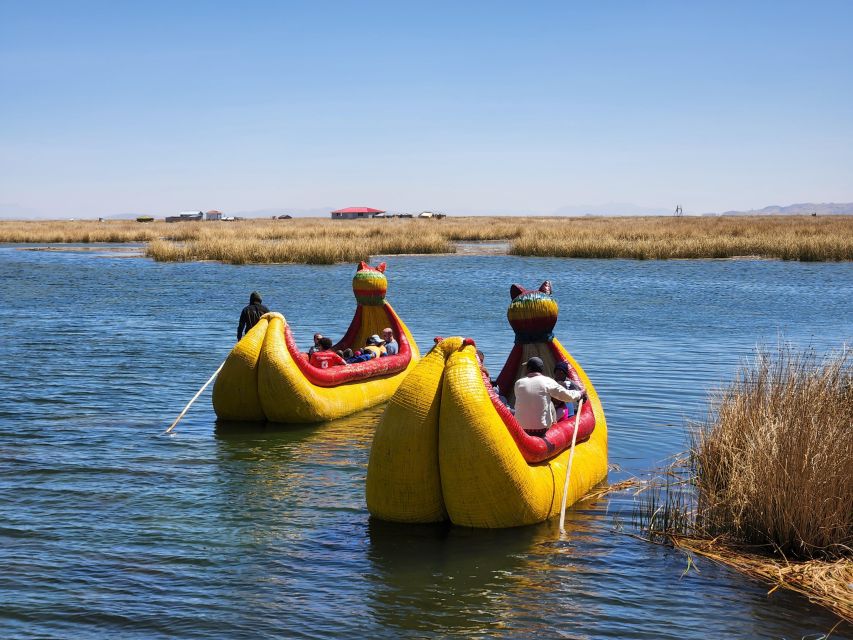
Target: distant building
column 186, row 216
column 431, row 214
column 285, row 217
column 351, row 213
column 213, row 214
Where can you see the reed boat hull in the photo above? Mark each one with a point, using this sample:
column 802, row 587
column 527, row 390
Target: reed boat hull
column 266, row 378
column 444, row 450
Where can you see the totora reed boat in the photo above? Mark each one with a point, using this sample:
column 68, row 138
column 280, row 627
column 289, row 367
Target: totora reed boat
column 447, row 448
column 266, row 377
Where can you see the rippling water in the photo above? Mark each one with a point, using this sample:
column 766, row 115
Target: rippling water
column 110, row 529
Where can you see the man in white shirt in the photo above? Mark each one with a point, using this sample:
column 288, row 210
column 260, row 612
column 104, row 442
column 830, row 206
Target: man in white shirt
column 533, row 407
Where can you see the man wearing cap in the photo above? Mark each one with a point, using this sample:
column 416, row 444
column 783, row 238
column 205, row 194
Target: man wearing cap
column 533, row 407
column 250, row 314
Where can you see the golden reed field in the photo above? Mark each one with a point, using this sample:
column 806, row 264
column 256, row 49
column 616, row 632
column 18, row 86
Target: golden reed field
column 325, row 241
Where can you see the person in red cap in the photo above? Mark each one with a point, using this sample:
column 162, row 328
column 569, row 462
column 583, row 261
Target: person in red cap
column 533, row 407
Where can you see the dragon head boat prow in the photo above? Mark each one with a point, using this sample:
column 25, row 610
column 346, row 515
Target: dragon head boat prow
column 266, row 377
column 448, row 448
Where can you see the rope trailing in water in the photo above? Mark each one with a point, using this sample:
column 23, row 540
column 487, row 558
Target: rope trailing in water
column 569, row 470
column 195, row 397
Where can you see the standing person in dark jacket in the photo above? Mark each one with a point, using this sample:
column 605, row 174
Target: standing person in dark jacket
column 251, row 313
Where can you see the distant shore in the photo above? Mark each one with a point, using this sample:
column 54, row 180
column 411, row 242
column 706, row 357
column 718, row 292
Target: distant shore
column 324, row 241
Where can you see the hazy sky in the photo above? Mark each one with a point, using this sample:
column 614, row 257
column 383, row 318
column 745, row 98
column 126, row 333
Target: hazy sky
column 158, row 107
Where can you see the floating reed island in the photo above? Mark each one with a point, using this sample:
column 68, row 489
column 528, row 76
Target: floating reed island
column 767, row 486
column 325, row 241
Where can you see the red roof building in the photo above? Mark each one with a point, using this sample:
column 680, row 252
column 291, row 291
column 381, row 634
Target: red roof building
column 355, row 212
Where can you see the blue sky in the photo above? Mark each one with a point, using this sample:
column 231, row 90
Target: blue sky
column 493, row 107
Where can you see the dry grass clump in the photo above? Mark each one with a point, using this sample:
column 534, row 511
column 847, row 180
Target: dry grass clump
column 300, row 243
column 786, row 238
column 767, row 486
column 773, row 464
column 65, row 231
column 484, row 229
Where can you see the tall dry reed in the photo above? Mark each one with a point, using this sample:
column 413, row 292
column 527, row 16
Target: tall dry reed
column 773, row 463
column 767, row 487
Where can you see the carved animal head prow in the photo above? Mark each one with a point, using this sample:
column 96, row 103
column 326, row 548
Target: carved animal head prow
column 362, row 266
column 370, row 284
column 517, row 290
column 532, row 313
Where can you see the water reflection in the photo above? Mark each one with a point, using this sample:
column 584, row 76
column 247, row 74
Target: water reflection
column 444, row 578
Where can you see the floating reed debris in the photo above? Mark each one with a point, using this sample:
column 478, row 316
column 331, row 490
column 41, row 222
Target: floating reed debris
column 767, row 486
column 257, row 240
column 826, row 583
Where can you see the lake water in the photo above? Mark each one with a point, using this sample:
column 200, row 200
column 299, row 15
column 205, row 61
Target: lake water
column 108, row 528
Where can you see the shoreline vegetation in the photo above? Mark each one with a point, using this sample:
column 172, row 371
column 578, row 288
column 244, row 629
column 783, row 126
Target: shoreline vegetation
column 326, row 241
column 766, row 488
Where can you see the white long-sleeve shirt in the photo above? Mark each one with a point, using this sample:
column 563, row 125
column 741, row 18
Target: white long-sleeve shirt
column 533, row 407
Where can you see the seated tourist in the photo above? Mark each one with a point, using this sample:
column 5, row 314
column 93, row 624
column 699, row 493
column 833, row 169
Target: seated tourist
column 561, row 374
column 481, row 357
column 375, row 345
column 324, row 357
column 533, row 407
column 360, row 356
column 391, row 346
column 316, row 346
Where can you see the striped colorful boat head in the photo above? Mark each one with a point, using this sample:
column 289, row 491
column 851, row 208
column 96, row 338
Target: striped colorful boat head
column 532, row 314
column 369, row 285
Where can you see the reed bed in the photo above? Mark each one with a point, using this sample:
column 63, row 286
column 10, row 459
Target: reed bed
column 766, row 487
column 787, row 238
column 302, row 244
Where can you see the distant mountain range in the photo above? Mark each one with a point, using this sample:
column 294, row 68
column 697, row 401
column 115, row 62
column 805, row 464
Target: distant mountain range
column 803, row 209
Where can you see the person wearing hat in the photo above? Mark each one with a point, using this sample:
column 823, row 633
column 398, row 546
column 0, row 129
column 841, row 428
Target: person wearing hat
column 561, row 375
column 375, row 345
column 250, row 314
column 534, row 409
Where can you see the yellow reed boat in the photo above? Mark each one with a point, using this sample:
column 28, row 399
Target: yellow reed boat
column 266, row 377
column 447, row 448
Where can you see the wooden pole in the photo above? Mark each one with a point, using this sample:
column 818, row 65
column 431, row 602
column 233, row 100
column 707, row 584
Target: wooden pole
column 195, row 397
column 569, row 470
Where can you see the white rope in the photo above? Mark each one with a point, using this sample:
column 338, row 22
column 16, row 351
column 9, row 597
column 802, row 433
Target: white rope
column 195, row 397
column 569, row 470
